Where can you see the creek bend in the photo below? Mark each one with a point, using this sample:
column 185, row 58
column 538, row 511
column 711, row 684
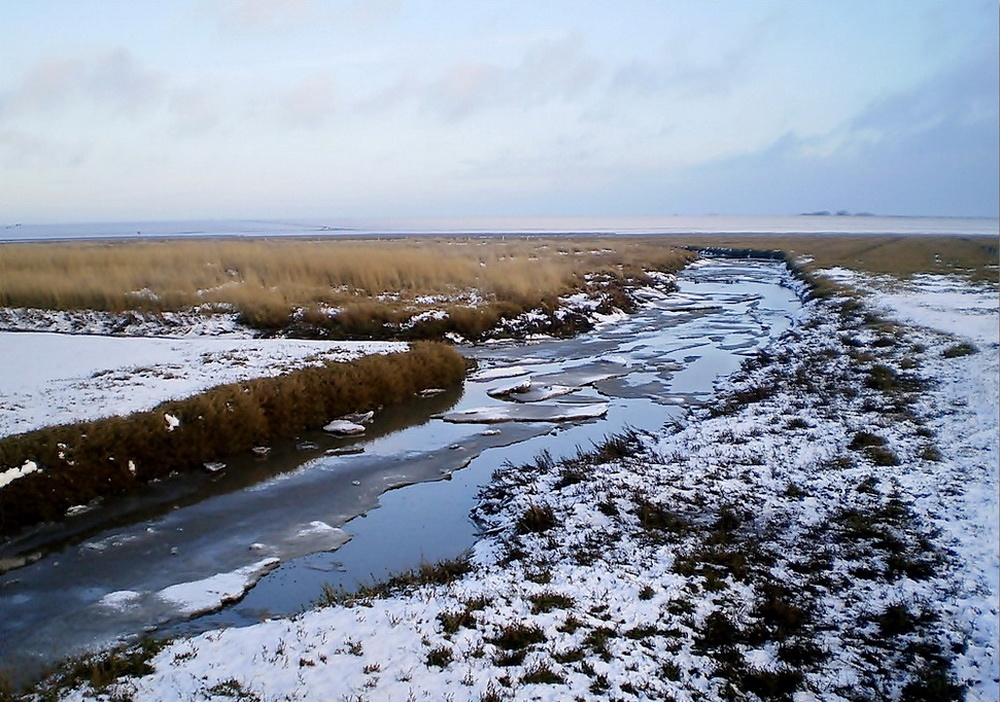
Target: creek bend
column 262, row 539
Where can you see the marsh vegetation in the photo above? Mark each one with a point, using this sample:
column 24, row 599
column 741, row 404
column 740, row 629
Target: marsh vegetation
column 333, row 288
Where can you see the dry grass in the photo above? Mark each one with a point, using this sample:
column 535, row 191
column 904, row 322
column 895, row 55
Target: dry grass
column 347, row 288
column 900, row 256
column 110, row 456
column 264, row 277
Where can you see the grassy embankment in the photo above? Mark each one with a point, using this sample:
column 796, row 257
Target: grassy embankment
column 972, row 257
column 111, row 456
column 345, row 289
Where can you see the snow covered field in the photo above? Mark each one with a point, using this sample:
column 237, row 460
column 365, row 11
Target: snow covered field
column 49, row 378
column 827, row 529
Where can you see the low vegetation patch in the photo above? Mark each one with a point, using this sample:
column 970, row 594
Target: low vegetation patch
column 420, row 288
column 81, row 462
column 959, row 350
column 99, row 671
column 900, row 256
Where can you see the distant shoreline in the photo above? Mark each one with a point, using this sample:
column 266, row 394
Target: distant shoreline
column 861, row 224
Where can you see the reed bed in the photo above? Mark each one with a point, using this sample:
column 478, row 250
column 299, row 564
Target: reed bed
column 170, row 275
column 88, row 460
column 349, row 288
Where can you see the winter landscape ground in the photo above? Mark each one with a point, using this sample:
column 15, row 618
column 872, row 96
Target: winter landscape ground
column 825, row 528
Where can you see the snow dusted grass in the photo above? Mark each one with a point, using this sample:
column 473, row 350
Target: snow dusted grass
column 825, row 530
column 974, row 257
column 400, row 288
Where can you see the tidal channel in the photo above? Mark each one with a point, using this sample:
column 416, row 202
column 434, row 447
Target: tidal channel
column 263, row 537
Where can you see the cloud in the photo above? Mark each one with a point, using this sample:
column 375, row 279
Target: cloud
column 548, row 71
column 370, row 14
column 931, row 150
column 684, row 70
column 311, row 102
column 241, row 16
column 195, row 110
column 20, row 150
column 111, row 80
column 264, row 17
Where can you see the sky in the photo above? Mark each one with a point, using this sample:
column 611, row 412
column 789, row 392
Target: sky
column 115, row 110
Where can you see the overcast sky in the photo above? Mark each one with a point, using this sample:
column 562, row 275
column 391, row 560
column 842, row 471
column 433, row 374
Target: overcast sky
column 184, row 109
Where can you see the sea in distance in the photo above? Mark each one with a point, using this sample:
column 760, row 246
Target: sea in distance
column 484, row 226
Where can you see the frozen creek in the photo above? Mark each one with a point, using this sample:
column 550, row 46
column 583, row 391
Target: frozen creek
column 262, row 539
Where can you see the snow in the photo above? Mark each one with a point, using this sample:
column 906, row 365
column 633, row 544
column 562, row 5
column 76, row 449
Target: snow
column 194, row 322
column 540, row 393
column 509, row 388
column 209, row 594
column 9, row 476
column 498, row 373
column 342, row 426
column 621, row 593
column 48, row 378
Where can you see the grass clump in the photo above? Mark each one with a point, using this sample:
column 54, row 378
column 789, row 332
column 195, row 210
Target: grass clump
column 959, row 350
column 514, row 641
column 875, row 448
column 548, row 601
column 234, row 689
column 99, row 670
column 541, row 674
column 439, row 657
column 536, row 519
column 451, row 622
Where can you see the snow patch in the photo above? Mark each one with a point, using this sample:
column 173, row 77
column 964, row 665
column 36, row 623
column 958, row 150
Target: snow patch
column 498, row 373
column 9, row 476
column 49, row 379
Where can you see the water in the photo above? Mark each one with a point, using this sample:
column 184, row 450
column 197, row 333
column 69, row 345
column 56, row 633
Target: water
column 802, row 224
column 114, row 573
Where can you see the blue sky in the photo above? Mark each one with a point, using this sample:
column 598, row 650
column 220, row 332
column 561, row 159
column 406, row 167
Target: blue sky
column 115, row 110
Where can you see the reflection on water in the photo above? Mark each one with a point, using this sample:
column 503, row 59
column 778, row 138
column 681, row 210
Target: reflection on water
column 106, row 574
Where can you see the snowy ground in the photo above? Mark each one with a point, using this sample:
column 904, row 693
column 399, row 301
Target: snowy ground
column 48, row 378
column 827, row 529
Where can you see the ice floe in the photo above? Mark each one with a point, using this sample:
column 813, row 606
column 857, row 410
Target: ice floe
column 209, row 594
column 498, row 373
column 527, row 413
column 345, row 427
